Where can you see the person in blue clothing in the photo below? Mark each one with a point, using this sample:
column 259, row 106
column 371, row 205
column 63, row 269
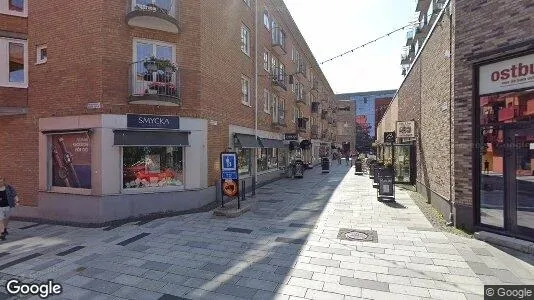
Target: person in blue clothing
column 8, row 200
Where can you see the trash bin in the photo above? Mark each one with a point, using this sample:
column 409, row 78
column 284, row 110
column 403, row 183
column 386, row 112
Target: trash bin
column 299, row 169
column 358, row 167
column 325, row 165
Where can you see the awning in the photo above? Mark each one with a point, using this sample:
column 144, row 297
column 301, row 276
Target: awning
column 246, row 141
column 270, row 143
column 161, row 138
column 66, row 131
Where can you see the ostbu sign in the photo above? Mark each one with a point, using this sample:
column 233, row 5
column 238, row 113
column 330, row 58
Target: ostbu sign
column 511, row 74
column 153, row 121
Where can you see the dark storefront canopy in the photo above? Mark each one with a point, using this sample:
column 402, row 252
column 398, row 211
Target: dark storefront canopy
column 160, row 138
column 246, row 141
column 269, row 143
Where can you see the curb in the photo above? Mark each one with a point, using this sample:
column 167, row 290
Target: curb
column 505, row 241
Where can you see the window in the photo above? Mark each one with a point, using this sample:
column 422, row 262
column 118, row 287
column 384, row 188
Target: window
column 166, row 6
column 274, row 65
column 430, row 11
column 247, row 2
column 145, row 78
column 365, row 100
column 245, row 39
column 14, row 63
column 41, row 54
column 267, row 159
column 295, row 85
column 295, row 114
column 152, row 167
column 274, row 107
column 266, row 20
column 244, row 157
column 245, row 89
column 266, row 101
column 14, row 7
column 266, row 65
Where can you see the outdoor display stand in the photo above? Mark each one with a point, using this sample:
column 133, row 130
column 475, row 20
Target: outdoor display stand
column 376, row 172
column 299, row 169
column 386, row 184
column 371, row 170
column 358, row 167
column 325, row 165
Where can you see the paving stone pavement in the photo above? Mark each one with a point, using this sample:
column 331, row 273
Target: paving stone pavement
column 286, row 247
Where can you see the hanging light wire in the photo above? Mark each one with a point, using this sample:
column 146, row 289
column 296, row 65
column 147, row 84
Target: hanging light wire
column 368, row 43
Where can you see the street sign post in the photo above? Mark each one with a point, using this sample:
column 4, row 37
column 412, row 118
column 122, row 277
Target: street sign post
column 229, row 176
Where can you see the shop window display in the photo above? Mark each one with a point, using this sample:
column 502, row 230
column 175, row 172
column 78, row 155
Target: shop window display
column 244, row 159
column 267, row 159
column 152, row 167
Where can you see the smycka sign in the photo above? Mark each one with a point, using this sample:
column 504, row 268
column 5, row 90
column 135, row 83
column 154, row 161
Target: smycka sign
column 153, row 121
column 291, row 136
column 405, row 129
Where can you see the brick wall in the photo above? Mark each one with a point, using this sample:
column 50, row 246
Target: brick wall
column 483, row 30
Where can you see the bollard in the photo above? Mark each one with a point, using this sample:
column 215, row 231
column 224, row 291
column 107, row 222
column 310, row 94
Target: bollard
column 243, row 190
column 253, row 186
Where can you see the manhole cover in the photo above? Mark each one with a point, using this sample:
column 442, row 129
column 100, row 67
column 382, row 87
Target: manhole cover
column 349, row 234
column 357, row 236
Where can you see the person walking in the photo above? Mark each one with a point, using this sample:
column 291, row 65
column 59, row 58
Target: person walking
column 8, row 200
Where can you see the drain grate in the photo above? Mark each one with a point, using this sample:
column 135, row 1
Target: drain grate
column 357, row 235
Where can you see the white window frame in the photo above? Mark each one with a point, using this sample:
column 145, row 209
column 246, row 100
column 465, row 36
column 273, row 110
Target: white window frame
column 245, row 39
column 266, row 60
column 266, row 101
column 266, row 20
column 274, row 106
column 4, row 9
column 244, row 80
column 154, row 44
column 295, row 114
column 40, row 60
column 4, row 63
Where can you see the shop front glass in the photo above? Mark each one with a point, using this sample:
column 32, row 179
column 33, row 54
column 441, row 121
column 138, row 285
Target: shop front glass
column 267, row 159
column 244, row 158
column 402, row 163
column 152, row 167
column 506, row 159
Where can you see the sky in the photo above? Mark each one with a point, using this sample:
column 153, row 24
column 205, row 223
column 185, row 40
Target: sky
column 332, row 27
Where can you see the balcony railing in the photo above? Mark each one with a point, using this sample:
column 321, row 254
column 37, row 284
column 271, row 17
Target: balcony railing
column 158, row 15
column 279, row 40
column 279, row 79
column 154, row 85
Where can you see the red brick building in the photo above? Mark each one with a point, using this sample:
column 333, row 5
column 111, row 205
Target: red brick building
column 100, row 107
column 467, row 112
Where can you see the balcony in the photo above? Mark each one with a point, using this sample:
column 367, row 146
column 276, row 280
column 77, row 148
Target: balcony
column 280, row 120
column 279, row 80
column 315, row 107
column 279, row 40
column 301, row 69
column 156, row 14
column 314, row 131
column 154, row 82
column 302, row 97
column 301, row 124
